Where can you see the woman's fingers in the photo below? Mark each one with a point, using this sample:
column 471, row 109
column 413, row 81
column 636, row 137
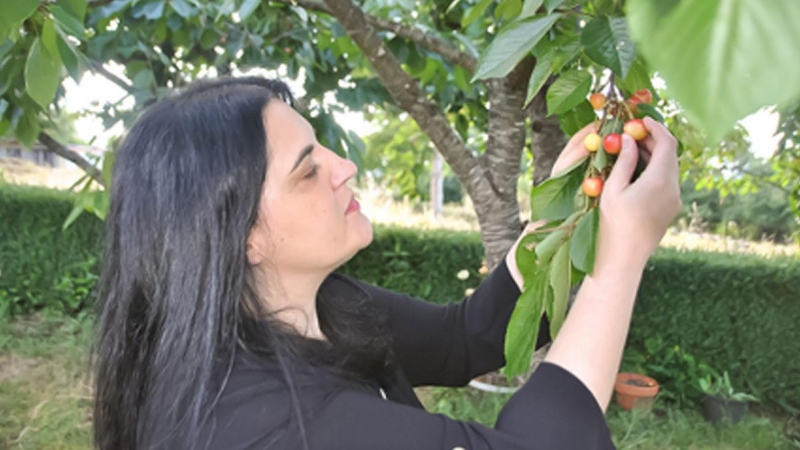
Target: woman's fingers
column 574, row 151
column 623, row 169
column 664, row 149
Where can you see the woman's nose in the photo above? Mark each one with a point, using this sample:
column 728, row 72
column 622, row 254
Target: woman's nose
column 344, row 170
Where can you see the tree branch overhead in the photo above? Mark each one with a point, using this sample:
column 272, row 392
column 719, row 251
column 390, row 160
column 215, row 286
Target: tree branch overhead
column 435, row 45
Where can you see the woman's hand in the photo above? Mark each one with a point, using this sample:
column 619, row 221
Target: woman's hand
column 635, row 216
column 633, row 219
column 573, row 152
column 511, row 256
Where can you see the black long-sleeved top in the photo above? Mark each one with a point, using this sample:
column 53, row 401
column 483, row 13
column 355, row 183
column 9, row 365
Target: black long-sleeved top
column 433, row 345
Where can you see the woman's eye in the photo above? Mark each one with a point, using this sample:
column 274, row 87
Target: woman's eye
column 312, row 173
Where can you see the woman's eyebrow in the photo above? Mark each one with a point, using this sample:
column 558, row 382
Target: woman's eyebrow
column 303, row 153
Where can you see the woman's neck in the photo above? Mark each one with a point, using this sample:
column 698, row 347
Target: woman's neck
column 292, row 298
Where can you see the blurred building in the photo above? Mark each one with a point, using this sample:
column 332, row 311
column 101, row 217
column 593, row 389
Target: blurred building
column 41, row 156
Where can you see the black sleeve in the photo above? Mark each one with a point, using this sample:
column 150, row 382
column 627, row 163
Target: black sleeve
column 448, row 345
column 554, row 410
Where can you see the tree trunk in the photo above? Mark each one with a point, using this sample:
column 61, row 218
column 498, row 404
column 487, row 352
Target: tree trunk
column 547, row 138
column 499, row 217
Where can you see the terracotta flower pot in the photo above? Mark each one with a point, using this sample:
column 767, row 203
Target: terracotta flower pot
column 635, row 391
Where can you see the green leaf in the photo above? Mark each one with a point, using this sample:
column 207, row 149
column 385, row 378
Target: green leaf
column 584, row 242
column 541, row 73
column 529, row 8
column 14, row 13
column 27, row 129
column 108, row 167
column 76, row 8
column 183, row 9
column 565, row 48
column 42, row 74
column 523, row 327
column 511, row 45
column 548, row 247
column 100, row 203
column 68, row 22
column 144, row 80
column 644, row 16
column 606, row 40
column 722, row 59
column 526, row 258
column 646, row 109
column 5, row 47
column 638, row 78
column 76, row 212
column 461, row 78
column 577, row 118
column 475, row 12
column 553, row 4
column 69, row 56
column 508, row 9
column 152, row 10
column 600, row 160
column 248, row 7
column 9, row 72
column 209, row 38
column 561, row 282
column 554, row 199
column 49, row 37
column 568, row 91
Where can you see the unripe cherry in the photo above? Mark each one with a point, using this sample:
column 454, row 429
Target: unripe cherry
column 592, row 142
column 636, row 129
column 592, row 187
column 598, row 100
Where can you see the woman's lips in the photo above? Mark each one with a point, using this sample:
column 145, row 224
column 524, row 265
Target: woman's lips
column 353, row 206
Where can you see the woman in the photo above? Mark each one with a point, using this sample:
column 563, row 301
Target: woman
column 222, row 324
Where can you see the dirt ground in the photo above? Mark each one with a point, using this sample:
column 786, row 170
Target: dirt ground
column 20, row 171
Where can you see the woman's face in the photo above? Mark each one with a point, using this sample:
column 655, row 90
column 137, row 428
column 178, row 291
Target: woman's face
column 309, row 222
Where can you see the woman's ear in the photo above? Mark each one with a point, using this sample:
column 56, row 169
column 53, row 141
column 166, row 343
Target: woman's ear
column 255, row 246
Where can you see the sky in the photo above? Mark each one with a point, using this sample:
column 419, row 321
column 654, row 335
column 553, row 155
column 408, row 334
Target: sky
column 94, row 90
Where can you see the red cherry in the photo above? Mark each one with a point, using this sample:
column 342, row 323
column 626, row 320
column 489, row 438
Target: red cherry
column 643, row 95
column 612, row 143
column 632, row 104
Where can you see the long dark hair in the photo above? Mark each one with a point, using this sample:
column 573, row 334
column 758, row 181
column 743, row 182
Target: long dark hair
column 176, row 298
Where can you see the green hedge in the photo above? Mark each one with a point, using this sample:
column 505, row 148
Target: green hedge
column 738, row 313
column 41, row 265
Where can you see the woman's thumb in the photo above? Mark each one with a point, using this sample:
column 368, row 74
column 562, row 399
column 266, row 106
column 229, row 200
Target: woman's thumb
column 621, row 175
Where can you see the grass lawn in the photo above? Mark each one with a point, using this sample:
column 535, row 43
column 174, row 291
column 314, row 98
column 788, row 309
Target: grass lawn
column 45, row 401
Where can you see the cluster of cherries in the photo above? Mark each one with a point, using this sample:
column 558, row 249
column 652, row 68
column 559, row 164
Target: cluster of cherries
column 612, row 140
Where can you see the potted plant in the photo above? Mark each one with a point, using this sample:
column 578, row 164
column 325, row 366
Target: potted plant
column 634, row 390
column 721, row 401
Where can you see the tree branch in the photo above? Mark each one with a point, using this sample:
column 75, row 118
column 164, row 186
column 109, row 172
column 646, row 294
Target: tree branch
column 447, row 51
column 407, row 94
column 97, row 67
column 62, row 151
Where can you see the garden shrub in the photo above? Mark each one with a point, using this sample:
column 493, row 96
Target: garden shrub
column 734, row 312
